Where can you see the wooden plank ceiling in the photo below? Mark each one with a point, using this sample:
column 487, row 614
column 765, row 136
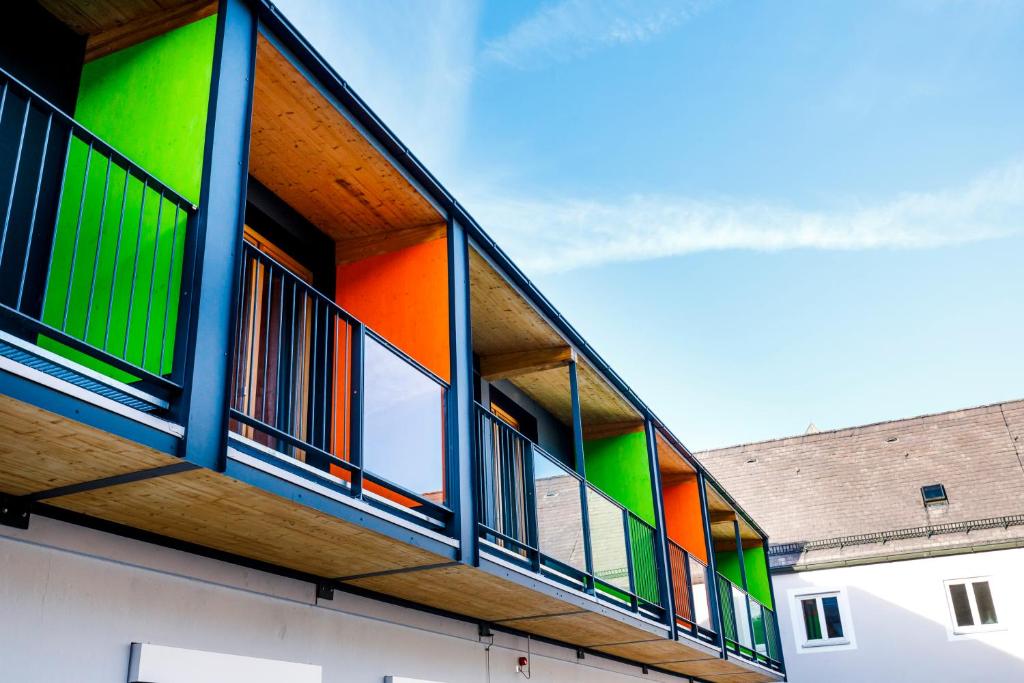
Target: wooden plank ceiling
column 672, row 465
column 504, row 323
column 310, row 155
column 112, row 26
column 721, row 516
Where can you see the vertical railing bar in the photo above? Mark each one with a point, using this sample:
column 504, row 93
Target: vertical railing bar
column 303, row 396
column 689, row 587
column 251, row 332
column 117, row 259
column 135, row 269
column 241, row 341
column 14, row 178
column 357, row 362
column 56, row 220
column 292, row 363
column 280, row 355
column 78, row 229
column 532, row 531
column 630, row 569
column 152, row 277
column 35, row 208
column 314, row 358
column 170, row 282
column 265, row 351
column 323, row 379
column 96, row 255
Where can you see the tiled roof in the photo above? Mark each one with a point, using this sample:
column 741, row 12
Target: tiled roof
column 862, row 481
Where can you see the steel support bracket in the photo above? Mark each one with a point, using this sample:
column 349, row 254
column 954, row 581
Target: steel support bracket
column 324, row 591
column 14, row 511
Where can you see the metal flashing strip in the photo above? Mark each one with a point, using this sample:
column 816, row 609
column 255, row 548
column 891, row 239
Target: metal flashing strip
column 400, row 570
column 114, row 480
column 110, row 385
column 81, row 393
column 361, row 506
column 590, row 599
column 1005, row 521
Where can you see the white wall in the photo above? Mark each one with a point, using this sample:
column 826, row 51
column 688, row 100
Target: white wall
column 72, row 600
column 901, row 623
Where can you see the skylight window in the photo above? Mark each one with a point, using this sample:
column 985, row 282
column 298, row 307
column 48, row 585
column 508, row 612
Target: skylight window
column 933, row 493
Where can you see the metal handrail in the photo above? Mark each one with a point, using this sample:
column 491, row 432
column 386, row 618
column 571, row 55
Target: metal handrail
column 525, row 542
column 730, row 630
column 28, row 303
column 298, row 359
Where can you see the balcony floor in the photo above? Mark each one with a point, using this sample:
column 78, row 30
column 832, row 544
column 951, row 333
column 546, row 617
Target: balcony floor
column 42, row 451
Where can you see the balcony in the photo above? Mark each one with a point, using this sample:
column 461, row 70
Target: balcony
column 96, row 258
column 538, row 513
column 315, row 391
column 750, row 629
column 331, row 440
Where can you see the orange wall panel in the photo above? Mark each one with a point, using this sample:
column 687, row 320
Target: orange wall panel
column 403, row 296
column 682, row 517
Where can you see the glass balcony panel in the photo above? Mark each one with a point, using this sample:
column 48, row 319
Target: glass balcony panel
column 403, row 428
column 607, row 540
column 742, row 612
column 559, row 512
column 701, row 601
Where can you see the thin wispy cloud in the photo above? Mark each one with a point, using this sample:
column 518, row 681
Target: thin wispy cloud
column 563, row 234
column 572, row 28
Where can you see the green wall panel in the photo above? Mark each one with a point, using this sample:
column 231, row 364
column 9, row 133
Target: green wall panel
column 118, row 248
column 618, row 466
column 756, row 568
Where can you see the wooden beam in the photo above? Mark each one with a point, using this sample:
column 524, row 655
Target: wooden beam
column 716, row 516
column 505, row 365
column 603, row 431
column 143, row 28
column 365, row 246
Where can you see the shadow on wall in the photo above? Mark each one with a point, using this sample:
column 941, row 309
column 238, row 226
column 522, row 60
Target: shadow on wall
column 896, row 644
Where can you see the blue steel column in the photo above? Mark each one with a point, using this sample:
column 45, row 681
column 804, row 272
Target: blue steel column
column 775, row 605
column 463, row 477
column 581, row 469
column 709, row 545
column 661, row 533
column 204, row 406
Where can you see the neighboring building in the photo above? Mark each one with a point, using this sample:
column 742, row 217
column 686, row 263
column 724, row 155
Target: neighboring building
column 274, row 407
column 898, row 547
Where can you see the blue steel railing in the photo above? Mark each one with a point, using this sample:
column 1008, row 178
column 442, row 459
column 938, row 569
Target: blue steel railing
column 749, row 628
column 312, row 383
column 531, row 511
column 691, row 591
column 96, row 255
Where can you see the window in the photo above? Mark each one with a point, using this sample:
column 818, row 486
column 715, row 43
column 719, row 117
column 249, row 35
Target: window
column 822, row 620
column 971, row 605
column 933, row 493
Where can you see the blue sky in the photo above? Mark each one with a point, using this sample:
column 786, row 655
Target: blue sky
column 761, row 214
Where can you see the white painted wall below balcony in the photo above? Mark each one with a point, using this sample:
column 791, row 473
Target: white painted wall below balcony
column 73, row 600
column 900, row 623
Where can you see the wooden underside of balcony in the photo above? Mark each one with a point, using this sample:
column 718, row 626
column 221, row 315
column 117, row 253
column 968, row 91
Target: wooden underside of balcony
column 41, row 451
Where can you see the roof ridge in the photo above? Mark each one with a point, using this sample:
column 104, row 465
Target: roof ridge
column 827, row 432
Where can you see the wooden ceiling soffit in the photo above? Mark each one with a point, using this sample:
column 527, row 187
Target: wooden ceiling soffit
column 503, row 321
column 506, row 365
column 673, row 466
column 111, row 28
column 308, row 151
column 609, row 429
column 600, row 401
column 376, row 244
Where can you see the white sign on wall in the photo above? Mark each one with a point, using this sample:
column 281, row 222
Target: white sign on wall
column 162, row 664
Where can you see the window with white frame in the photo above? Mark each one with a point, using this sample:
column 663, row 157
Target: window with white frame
column 972, row 607
column 821, row 615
